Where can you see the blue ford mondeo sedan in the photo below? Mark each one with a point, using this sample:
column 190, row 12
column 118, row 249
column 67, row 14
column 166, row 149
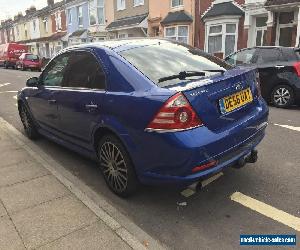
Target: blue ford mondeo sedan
column 151, row 111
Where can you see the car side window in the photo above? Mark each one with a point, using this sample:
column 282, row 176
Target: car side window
column 242, row 57
column 84, row 72
column 53, row 75
column 267, row 55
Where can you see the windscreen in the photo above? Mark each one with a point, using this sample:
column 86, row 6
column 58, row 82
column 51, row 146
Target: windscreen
column 167, row 58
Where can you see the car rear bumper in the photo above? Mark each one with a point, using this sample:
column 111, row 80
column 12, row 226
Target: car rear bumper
column 170, row 158
column 224, row 160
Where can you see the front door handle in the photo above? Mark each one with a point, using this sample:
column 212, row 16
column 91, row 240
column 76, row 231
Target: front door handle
column 279, row 66
column 91, row 106
column 51, row 101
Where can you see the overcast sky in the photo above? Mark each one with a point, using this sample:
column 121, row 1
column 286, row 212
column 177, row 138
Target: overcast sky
column 9, row 8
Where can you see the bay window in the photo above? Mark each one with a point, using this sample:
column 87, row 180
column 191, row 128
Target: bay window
column 261, row 31
column 221, row 38
column 178, row 33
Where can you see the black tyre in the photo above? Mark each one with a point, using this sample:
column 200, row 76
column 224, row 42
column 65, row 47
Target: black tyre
column 282, row 96
column 117, row 167
column 28, row 124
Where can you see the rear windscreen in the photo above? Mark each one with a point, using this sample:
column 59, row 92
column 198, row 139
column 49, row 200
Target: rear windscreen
column 32, row 57
column 169, row 58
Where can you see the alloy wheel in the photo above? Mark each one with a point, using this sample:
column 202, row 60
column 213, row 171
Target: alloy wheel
column 282, row 96
column 114, row 166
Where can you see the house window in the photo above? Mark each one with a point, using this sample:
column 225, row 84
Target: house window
column 121, row 5
column 261, row 31
column 138, row 2
column 80, row 16
column 176, row 3
column 178, row 33
column 96, row 10
column 58, row 21
column 18, row 31
column 69, row 17
column 285, row 24
column 221, row 38
column 45, row 22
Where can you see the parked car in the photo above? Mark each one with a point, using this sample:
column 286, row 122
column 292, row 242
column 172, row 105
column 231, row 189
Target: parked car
column 150, row 111
column 10, row 53
column 29, row 61
column 279, row 71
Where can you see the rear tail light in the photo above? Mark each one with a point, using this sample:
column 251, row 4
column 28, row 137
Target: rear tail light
column 175, row 115
column 257, row 82
column 297, row 68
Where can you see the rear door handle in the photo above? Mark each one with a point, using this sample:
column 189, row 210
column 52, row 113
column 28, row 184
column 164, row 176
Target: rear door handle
column 279, row 66
column 51, row 101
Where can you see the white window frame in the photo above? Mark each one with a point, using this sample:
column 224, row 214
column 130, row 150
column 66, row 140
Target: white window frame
column 45, row 22
column 96, row 7
column 58, row 24
column 256, row 29
column 176, row 6
column 176, row 32
column 137, row 3
column 121, row 5
column 78, row 17
column 221, row 21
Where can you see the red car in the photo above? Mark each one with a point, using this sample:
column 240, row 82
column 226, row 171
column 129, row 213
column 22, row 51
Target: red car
column 10, row 53
column 29, row 61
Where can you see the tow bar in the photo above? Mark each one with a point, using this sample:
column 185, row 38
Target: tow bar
column 251, row 158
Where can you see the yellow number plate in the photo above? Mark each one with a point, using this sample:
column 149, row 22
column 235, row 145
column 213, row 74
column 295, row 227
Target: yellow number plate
column 237, row 100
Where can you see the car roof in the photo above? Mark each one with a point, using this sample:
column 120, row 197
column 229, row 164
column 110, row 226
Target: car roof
column 123, row 44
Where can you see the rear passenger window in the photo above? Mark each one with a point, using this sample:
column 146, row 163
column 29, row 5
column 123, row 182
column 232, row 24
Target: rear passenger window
column 84, row 72
column 268, row 55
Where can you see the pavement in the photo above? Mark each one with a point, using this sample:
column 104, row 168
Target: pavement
column 38, row 210
column 262, row 198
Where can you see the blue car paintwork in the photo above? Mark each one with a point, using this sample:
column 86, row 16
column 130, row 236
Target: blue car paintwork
column 128, row 105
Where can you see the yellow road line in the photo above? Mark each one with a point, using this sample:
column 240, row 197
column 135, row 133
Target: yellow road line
column 267, row 210
column 288, row 127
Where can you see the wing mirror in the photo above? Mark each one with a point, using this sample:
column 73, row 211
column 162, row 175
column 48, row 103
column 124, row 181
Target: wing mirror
column 32, row 82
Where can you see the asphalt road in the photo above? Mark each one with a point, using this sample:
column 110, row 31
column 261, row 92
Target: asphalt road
column 210, row 219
